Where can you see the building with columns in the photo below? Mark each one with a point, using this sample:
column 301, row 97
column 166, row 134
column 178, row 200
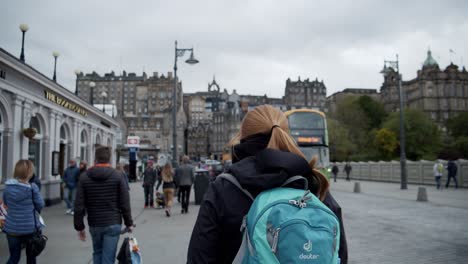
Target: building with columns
column 63, row 125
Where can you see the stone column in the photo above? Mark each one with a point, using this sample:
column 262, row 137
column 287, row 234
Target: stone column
column 16, row 136
column 91, row 142
column 25, row 124
column 75, row 139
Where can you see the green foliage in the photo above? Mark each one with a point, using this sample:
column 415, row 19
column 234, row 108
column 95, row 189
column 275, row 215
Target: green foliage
column 385, row 141
column 373, row 110
column 458, row 125
column 341, row 146
column 422, row 135
column 461, row 144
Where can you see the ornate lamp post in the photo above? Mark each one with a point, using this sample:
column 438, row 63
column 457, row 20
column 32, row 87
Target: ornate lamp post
column 385, row 72
column 23, row 28
column 77, row 73
column 56, row 55
column 103, row 95
column 91, row 92
column 191, row 61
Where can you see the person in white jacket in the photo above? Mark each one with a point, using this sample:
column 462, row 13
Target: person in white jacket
column 438, row 171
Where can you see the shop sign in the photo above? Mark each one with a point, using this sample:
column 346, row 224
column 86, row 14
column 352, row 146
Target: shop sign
column 65, row 103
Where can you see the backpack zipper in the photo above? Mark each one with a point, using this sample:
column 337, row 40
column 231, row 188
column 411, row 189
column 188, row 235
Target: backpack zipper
column 290, row 202
column 274, row 245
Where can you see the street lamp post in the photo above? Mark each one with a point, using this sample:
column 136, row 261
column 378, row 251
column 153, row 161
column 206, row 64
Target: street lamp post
column 56, row 55
column 113, row 105
column 191, row 61
column 77, row 73
column 103, row 95
column 91, row 92
column 385, row 71
column 23, row 28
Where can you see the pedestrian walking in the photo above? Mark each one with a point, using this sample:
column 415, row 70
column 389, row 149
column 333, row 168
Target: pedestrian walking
column 438, row 170
column 120, row 168
column 23, row 200
column 452, row 173
column 168, row 187
column 185, row 176
column 83, row 168
column 103, row 196
column 70, row 180
column 149, row 178
column 264, row 157
column 335, row 171
column 348, row 170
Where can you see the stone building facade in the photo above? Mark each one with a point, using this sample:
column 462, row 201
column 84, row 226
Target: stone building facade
column 66, row 127
column 441, row 94
column 144, row 103
column 334, row 99
column 305, row 94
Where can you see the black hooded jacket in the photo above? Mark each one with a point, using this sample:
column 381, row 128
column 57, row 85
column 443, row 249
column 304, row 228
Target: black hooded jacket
column 103, row 195
column 216, row 237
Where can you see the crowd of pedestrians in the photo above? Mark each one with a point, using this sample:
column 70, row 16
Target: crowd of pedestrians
column 264, row 157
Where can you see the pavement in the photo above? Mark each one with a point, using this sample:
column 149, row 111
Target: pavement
column 383, row 224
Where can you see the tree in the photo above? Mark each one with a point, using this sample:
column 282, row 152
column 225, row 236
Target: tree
column 458, row 125
column 422, row 135
column 374, row 111
column 386, row 143
column 340, row 145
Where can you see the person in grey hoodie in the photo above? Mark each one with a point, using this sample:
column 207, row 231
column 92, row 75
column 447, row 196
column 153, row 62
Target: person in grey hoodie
column 149, row 178
column 22, row 200
column 184, row 177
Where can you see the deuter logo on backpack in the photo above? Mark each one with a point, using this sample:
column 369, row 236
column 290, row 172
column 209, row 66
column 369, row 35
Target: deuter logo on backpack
column 308, row 255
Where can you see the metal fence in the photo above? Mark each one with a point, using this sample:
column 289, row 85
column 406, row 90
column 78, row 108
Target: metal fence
column 419, row 172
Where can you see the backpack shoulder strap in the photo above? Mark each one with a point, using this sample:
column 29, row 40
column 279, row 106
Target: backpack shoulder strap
column 236, row 183
column 295, row 179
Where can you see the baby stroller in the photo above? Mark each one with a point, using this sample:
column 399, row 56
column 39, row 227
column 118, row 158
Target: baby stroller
column 129, row 252
column 160, row 201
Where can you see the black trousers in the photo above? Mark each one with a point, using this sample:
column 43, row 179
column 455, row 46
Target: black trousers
column 149, row 198
column 184, row 191
column 454, row 179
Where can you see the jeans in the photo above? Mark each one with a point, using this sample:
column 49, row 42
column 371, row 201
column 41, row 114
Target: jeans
column 437, row 179
column 105, row 240
column 184, row 191
column 14, row 245
column 149, row 198
column 69, row 197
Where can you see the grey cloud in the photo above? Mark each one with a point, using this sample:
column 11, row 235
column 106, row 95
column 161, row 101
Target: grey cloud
column 251, row 46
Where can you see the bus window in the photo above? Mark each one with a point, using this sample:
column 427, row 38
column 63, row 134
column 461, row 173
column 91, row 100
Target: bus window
column 306, row 121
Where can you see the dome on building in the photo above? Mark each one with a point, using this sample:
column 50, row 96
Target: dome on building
column 430, row 62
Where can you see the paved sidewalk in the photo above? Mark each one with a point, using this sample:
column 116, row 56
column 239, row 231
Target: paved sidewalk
column 383, row 225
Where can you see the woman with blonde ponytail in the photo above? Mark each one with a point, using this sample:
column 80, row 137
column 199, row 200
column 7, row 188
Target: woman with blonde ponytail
column 264, row 157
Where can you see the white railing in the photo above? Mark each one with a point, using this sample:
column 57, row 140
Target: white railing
column 419, row 172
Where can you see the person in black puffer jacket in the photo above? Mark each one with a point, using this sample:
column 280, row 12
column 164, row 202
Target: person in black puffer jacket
column 265, row 158
column 103, row 195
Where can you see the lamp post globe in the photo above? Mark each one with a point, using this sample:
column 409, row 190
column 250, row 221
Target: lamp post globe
column 23, row 28
column 91, row 92
column 56, row 55
column 103, row 95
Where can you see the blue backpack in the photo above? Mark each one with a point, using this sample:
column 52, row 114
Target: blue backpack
column 286, row 225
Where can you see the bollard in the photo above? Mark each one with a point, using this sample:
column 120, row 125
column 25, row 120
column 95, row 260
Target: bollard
column 422, row 194
column 357, row 187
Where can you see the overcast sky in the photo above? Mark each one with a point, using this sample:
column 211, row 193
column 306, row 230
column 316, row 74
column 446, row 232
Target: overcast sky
column 251, row 46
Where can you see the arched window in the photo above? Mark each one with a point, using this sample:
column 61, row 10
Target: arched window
column 34, row 148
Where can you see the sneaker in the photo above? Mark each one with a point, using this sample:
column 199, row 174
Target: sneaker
column 152, row 206
column 168, row 214
column 68, row 211
column 72, row 212
column 146, row 206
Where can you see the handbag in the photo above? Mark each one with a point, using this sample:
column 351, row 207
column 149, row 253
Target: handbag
column 38, row 241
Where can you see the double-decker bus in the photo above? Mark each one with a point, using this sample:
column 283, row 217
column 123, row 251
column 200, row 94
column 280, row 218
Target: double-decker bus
column 309, row 129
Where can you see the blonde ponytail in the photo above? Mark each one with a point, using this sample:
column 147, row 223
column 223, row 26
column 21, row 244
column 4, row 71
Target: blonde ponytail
column 266, row 119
